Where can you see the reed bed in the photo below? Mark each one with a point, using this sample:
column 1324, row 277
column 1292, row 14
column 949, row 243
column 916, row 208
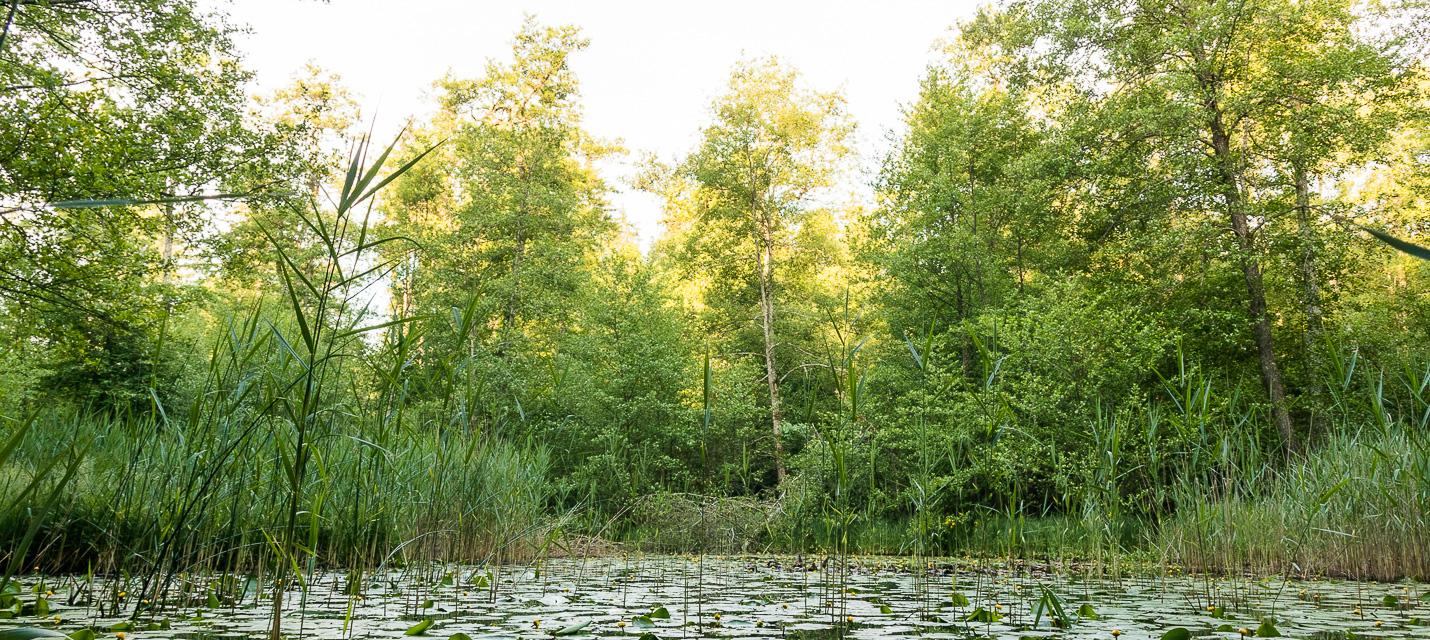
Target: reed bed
column 1358, row 507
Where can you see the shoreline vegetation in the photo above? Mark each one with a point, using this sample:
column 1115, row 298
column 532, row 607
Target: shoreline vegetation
column 1347, row 511
column 1112, row 308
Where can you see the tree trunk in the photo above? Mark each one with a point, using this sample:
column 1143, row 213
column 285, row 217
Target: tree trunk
column 1310, row 284
column 1229, row 176
column 767, row 324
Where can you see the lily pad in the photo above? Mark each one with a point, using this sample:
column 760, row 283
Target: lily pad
column 571, row 630
column 26, row 633
column 1177, row 633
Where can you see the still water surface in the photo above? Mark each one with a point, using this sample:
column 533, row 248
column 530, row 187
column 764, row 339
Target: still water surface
column 767, row 597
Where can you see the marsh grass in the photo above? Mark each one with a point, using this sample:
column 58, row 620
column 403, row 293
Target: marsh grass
column 281, row 467
column 1357, row 505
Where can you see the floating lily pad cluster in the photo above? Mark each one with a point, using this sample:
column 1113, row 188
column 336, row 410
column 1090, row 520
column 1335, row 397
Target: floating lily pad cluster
column 662, row 598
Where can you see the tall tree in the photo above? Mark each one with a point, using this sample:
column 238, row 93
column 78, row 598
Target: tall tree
column 510, row 213
column 965, row 204
column 773, row 149
column 1206, row 85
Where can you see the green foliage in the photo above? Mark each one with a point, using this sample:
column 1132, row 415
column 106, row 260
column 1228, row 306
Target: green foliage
column 1110, row 294
column 137, row 101
column 758, row 259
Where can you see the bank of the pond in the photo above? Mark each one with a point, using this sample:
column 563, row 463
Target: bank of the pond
column 149, row 501
column 1357, row 507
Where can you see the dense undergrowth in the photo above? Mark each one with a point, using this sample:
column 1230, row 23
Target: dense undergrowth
column 196, row 493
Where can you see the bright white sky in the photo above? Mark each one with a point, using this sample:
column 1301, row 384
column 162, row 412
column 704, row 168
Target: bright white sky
column 647, row 79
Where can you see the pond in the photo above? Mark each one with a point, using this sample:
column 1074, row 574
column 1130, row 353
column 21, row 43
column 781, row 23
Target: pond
column 750, row 597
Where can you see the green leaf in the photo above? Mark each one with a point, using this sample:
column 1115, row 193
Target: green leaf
column 84, row 634
column 643, row 622
column 1050, row 603
column 87, row 203
column 5, row 451
column 427, row 604
column 1267, row 629
column 374, row 327
column 1400, row 245
column 982, row 615
column 958, row 599
column 400, row 170
column 914, row 351
column 459, row 636
column 659, row 613
column 1086, row 612
column 419, row 629
column 884, row 608
column 1177, row 633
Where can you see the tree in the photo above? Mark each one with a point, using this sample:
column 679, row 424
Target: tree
column 101, row 99
column 305, row 127
column 739, row 202
column 1210, row 90
column 965, row 218
column 510, row 213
